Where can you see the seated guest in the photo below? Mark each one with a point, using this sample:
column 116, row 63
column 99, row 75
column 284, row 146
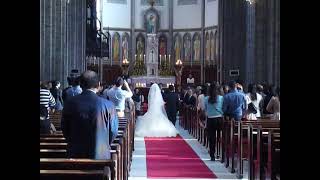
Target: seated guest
column 89, row 122
column 118, row 96
column 46, row 101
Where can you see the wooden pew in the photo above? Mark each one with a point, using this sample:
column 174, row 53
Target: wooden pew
column 52, row 140
column 259, row 147
column 60, row 168
column 55, row 119
column 242, row 127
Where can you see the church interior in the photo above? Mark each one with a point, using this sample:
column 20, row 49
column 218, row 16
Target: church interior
column 193, row 46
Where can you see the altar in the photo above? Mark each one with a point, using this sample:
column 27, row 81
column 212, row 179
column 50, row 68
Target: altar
column 145, row 81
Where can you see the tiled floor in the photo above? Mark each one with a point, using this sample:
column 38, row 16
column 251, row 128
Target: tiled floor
column 139, row 170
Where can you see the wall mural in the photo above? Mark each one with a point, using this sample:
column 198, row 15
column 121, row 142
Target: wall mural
column 117, row 1
column 140, row 47
column 187, row 47
column 157, row 3
column 177, row 47
column 187, row 2
column 116, row 47
column 125, row 46
column 196, row 47
column 212, row 47
column 208, row 49
column 162, row 45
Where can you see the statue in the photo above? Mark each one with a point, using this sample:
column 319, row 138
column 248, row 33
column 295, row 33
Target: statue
column 151, row 24
column 187, row 47
column 125, row 48
column 177, row 48
column 196, row 45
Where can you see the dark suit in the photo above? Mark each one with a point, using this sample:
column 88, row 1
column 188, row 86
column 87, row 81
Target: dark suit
column 89, row 124
column 172, row 105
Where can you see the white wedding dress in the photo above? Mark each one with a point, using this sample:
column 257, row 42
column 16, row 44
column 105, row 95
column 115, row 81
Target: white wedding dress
column 155, row 122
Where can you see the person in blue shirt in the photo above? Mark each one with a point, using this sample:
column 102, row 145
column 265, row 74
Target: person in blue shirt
column 89, row 122
column 234, row 104
column 74, row 90
column 213, row 109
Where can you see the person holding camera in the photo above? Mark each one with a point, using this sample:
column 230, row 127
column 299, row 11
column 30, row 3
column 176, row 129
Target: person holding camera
column 118, row 96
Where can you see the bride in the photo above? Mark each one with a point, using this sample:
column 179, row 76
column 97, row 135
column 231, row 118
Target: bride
column 155, row 122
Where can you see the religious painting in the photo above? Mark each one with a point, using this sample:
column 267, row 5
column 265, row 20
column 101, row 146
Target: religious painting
column 212, row 48
column 151, row 21
column 207, row 55
column 156, row 2
column 177, row 47
column 125, row 46
column 196, row 47
column 140, row 47
column 162, row 46
column 116, row 47
column 216, row 46
column 187, row 47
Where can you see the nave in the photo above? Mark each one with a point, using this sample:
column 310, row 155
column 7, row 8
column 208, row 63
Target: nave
column 139, row 164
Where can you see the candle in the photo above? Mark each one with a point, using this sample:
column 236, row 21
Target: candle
column 160, row 59
column 169, row 57
column 144, row 58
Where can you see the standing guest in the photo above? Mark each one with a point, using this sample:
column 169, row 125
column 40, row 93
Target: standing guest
column 75, row 89
column 274, row 105
column 118, row 96
column 46, row 101
column 253, row 100
column 57, row 94
column 214, row 114
column 89, row 123
column 192, row 98
column 234, row 103
column 65, row 90
column 201, row 95
column 225, row 89
column 138, row 99
column 270, row 92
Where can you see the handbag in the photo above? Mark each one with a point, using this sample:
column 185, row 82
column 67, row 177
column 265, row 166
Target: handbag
column 252, row 108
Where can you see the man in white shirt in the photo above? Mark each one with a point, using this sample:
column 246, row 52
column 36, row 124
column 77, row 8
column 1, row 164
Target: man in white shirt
column 190, row 80
column 118, row 96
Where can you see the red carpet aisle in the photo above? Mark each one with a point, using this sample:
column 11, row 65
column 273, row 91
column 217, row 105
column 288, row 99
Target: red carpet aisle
column 174, row 158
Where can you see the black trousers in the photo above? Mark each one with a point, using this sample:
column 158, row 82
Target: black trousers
column 213, row 127
column 172, row 116
column 45, row 126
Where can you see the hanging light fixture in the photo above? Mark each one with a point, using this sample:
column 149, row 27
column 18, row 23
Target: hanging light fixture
column 250, row 1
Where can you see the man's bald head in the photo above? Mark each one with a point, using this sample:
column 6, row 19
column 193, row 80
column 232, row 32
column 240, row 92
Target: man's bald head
column 89, row 79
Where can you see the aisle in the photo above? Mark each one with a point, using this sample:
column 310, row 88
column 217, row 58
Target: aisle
column 139, row 163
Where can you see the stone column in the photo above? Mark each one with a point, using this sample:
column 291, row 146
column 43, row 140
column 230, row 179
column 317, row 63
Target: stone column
column 170, row 40
column 250, row 45
column 202, row 53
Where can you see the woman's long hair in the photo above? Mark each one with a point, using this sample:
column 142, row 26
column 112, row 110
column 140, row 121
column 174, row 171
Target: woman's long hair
column 252, row 89
column 213, row 94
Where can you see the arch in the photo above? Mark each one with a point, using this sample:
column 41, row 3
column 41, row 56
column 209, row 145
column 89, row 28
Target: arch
column 177, row 47
column 186, row 47
column 125, row 46
column 116, row 47
column 196, row 41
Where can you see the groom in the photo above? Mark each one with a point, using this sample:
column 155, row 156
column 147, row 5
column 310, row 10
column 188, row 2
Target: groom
column 172, row 104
